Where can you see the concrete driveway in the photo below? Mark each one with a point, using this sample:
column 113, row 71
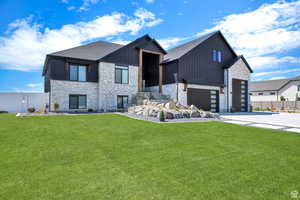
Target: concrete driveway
column 281, row 121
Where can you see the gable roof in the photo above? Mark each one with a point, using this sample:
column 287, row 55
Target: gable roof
column 92, row 51
column 237, row 59
column 179, row 51
column 271, row 85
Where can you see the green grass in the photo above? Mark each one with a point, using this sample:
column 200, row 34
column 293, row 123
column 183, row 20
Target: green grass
column 114, row 157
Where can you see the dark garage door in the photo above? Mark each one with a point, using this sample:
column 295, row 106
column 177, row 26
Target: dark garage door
column 239, row 95
column 203, row 99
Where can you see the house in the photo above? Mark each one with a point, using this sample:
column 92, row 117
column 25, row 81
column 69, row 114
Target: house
column 205, row 72
column 274, row 90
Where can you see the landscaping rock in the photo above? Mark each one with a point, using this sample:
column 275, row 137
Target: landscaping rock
column 195, row 113
column 171, row 109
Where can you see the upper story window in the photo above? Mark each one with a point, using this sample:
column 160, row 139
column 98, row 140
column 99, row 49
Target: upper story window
column 121, row 74
column 260, row 93
column 217, row 56
column 298, row 89
column 272, row 93
column 77, row 73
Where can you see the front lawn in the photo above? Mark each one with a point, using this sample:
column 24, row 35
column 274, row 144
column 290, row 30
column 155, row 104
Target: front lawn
column 113, row 157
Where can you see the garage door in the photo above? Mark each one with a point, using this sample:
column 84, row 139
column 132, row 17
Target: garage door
column 239, row 95
column 203, row 99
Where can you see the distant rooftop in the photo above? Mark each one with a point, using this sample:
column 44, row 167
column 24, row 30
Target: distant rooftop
column 271, row 85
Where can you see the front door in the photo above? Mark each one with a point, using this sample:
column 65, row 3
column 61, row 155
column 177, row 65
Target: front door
column 239, row 95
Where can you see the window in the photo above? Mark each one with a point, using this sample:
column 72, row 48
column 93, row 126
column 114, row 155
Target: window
column 298, row 89
column 122, row 102
column 77, row 102
column 272, row 93
column 250, row 93
column 77, row 73
column 121, row 74
column 260, row 93
column 217, row 56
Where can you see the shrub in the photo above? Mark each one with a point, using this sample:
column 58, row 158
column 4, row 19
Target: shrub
column 31, row 110
column 282, row 98
column 56, row 107
column 162, row 116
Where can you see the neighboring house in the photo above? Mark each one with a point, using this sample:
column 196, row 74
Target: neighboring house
column 272, row 90
column 205, row 72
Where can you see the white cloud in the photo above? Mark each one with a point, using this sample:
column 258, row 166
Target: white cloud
column 278, row 77
column 86, row 5
column 263, row 62
column 276, row 72
column 264, row 33
column 26, row 44
column 171, row 41
column 149, row 1
column 71, row 8
column 33, row 85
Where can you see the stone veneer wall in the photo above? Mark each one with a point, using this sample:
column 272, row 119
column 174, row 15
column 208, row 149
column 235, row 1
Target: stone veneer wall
column 171, row 90
column 60, row 91
column 108, row 89
column 239, row 70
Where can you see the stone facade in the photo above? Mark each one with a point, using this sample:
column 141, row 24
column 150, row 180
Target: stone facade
column 238, row 70
column 108, row 89
column 60, row 91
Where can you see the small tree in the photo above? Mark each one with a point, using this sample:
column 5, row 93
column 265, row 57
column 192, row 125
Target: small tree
column 56, row 107
column 162, row 116
column 282, row 98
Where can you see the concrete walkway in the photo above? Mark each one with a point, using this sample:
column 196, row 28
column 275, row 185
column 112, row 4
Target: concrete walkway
column 278, row 121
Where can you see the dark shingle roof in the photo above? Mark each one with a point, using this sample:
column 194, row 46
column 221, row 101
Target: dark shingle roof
column 181, row 50
column 270, row 85
column 92, row 51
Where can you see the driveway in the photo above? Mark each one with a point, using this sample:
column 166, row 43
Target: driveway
column 282, row 121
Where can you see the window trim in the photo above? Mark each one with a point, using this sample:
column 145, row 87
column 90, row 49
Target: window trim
column 119, row 67
column 77, row 106
column 77, row 69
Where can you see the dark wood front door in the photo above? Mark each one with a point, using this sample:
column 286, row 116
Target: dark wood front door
column 203, row 99
column 239, row 95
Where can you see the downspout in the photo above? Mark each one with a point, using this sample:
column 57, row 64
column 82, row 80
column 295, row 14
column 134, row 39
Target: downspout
column 227, row 75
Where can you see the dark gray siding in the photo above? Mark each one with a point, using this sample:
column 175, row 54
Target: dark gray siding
column 129, row 54
column 169, row 69
column 59, row 68
column 197, row 66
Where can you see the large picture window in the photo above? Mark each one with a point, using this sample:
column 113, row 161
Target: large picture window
column 77, row 73
column 77, row 102
column 122, row 101
column 121, row 74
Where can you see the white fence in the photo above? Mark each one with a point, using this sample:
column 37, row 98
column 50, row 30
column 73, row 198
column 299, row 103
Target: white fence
column 20, row 102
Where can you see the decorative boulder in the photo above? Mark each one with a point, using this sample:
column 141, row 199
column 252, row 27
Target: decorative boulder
column 170, row 105
column 194, row 113
column 169, row 115
column 192, row 107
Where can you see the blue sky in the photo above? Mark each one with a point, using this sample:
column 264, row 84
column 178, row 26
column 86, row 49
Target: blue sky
column 267, row 33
